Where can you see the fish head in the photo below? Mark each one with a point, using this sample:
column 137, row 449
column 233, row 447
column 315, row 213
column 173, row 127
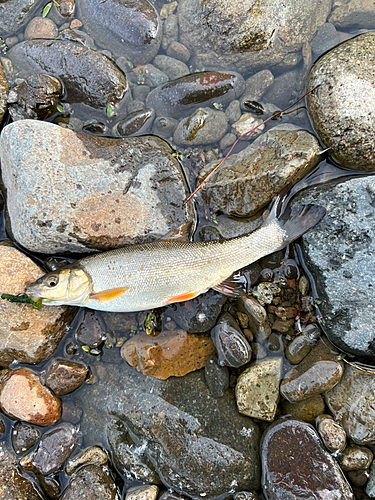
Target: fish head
column 69, row 285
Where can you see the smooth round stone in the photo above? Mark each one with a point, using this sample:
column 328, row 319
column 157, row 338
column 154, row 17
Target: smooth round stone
column 307, row 410
column 93, row 482
column 125, row 27
column 358, row 13
column 300, row 346
column 204, row 126
column 40, row 27
column 164, row 126
column 217, row 377
column 178, row 51
column 142, row 493
column 22, row 396
column 137, row 123
column 233, row 111
column 356, row 458
column 64, row 376
column 232, row 347
column 341, row 109
column 23, row 437
column 173, row 68
column 332, row 434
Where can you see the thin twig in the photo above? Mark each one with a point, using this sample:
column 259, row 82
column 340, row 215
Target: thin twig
column 358, row 367
column 277, row 114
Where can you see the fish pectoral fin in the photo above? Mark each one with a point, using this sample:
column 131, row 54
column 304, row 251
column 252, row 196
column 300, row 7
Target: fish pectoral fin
column 105, row 295
column 182, row 297
column 234, row 286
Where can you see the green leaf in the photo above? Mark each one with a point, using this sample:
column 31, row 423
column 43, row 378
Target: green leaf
column 57, row 5
column 23, row 300
column 132, row 327
column 59, row 108
column 46, row 9
column 86, row 348
column 109, row 111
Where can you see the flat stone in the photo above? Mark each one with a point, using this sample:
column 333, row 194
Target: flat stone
column 257, row 389
column 26, row 334
column 294, row 463
column 353, row 13
column 171, row 353
column 93, row 454
column 113, row 178
column 250, row 179
column 22, row 396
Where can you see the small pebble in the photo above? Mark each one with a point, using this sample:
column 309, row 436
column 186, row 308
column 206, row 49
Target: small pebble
column 142, row 493
column 332, row 434
column 178, row 51
column 356, row 458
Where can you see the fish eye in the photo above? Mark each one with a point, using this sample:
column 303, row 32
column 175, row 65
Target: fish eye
column 52, row 281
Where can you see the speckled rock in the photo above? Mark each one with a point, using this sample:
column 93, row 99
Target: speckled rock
column 26, row 335
column 23, row 437
column 4, row 89
column 350, row 13
column 257, row 389
column 171, row 353
column 204, row 126
column 250, row 179
column 351, row 403
column 16, row 13
column 125, row 28
column 40, row 27
column 22, row 396
column 244, row 35
column 356, row 458
column 344, row 278
column 121, row 173
column 332, row 434
column 346, row 76
column 92, row 455
column 91, row 482
column 64, row 376
column 294, row 464
column 149, row 492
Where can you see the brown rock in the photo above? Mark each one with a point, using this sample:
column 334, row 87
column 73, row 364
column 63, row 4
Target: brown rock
column 4, row 89
column 22, row 396
column 26, row 335
column 40, row 27
column 65, row 376
column 169, row 354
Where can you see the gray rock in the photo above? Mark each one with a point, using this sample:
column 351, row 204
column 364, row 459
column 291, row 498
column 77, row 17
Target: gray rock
column 250, row 179
column 178, row 51
column 204, row 126
column 80, row 37
column 233, row 111
column 243, row 35
column 217, row 377
column 171, row 67
column 370, row 488
column 344, row 275
column 16, row 13
column 294, row 463
column 346, row 76
column 126, row 28
column 164, row 126
column 285, row 89
column 352, row 404
column 92, row 455
column 301, row 345
column 137, row 123
column 177, row 422
column 350, row 13
column 91, row 482
column 89, row 77
column 325, row 39
column 121, row 173
column 23, row 437
column 232, row 347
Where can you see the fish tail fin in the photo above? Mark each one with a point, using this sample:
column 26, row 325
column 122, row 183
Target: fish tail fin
column 294, row 222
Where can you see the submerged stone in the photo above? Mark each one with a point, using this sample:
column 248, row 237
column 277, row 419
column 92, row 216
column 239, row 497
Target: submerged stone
column 137, row 123
column 91, row 481
column 16, row 13
column 232, row 347
column 204, row 126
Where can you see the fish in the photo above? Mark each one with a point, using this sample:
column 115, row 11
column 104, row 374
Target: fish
column 151, row 275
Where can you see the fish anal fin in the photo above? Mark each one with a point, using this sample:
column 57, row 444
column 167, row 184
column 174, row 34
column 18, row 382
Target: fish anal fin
column 182, row 297
column 234, row 286
column 105, row 295
column 182, row 233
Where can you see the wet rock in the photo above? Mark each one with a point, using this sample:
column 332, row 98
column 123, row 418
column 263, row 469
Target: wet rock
column 199, row 314
column 23, row 437
column 346, row 74
column 257, row 389
column 197, row 443
column 22, row 396
column 184, row 95
column 16, row 13
column 351, row 403
column 370, row 488
column 91, row 483
column 40, row 27
column 295, row 462
column 4, row 89
column 62, row 220
column 244, row 35
column 54, row 449
column 353, row 13
column 70, row 412
column 307, row 410
column 246, row 123
column 250, row 179
column 344, row 278
column 26, row 335
column 50, row 486
column 284, row 89
column 171, row 353
column 325, row 39
column 217, row 377
column 233, row 111
column 92, row 455
column 142, row 493
column 356, row 458
column 36, row 98
column 13, row 485
column 78, row 36
column 65, row 376
column 332, row 434
column 232, row 347
column 256, row 86
column 178, row 51
column 148, row 75
column 89, row 77
column 300, row 346
column 257, row 317
column 173, row 68
column 204, row 126
column 358, row 477
column 91, row 330
column 126, row 28
column 137, row 123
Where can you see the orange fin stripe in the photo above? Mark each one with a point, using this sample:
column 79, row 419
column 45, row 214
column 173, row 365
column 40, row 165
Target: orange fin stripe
column 108, row 294
column 182, row 297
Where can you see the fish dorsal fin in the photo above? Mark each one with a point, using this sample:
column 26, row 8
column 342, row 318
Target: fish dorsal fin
column 182, row 233
column 105, row 295
column 234, row 286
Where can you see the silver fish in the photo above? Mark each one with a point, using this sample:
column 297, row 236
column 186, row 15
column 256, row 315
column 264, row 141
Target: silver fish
column 146, row 276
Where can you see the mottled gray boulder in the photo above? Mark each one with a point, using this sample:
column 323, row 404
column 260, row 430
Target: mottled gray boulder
column 204, row 126
column 71, row 192
column 89, row 77
column 342, row 108
column 198, row 445
column 126, row 28
column 244, row 34
column 248, row 180
column 339, row 252
column 16, row 13
column 352, row 404
column 353, row 13
column 296, row 465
